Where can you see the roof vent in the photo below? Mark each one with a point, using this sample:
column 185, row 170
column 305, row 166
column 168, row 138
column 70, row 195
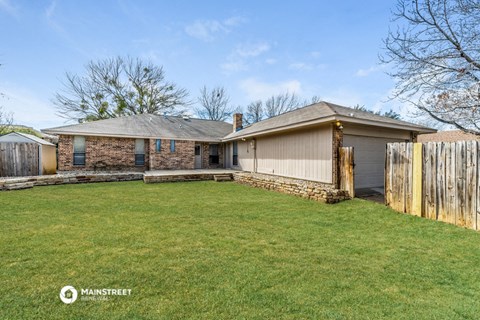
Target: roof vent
column 351, row 114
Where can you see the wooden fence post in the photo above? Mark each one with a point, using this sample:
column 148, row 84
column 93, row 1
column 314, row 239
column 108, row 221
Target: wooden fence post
column 460, row 177
column 450, row 183
column 471, row 185
column 417, row 180
column 346, row 163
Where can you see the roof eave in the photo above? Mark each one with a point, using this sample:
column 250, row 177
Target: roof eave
column 282, row 128
column 333, row 119
column 399, row 126
column 115, row 135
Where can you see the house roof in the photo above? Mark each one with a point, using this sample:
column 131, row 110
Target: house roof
column 322, row 112
column 27, row 136
column 447, row 136
column 149, row 126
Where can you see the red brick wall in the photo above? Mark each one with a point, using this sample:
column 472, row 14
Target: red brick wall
column 101, row 154
column 206, row 156
column 183, row 157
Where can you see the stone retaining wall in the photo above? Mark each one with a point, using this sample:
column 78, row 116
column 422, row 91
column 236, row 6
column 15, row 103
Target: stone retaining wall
column 177, row 178
column 66, row 178
column 306, row 189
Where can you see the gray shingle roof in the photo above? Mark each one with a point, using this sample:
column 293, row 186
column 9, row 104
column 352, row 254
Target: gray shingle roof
column 149, row 126
column 447, row 136
column 318, row 111
column 27, row 136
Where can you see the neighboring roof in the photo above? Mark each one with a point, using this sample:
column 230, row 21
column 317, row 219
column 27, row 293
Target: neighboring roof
column 149, row 126
column 322, row 112
column 27, row 136
column 447, row 136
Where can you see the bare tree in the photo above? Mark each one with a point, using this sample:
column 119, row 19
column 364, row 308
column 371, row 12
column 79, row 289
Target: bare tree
column 436, row 59
column 281, row 103
column 275, row 105
column 392, row 115
column 313, row 100
column 389, row 114
column 6, row 121
column 116, row 87
column 214, row 104
column 254, row 112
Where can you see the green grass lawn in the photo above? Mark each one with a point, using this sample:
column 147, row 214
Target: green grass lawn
column 205, row 250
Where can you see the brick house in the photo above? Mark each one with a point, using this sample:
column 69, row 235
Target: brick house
column 301, row 144
column 140, row 143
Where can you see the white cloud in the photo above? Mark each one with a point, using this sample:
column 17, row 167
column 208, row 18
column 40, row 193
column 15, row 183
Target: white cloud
column 259, row 90
column 367, row 72
column 9, row 8
column 345, row 97
column 234, row 66
column 208, row 30
column 151, row 55
column 50, row 15
column 270, row 61
column 252, row 50
column 205, row 30
column 301, row 66
column 49, row 12
column 234, row 21
column 315, row 54
column 239, row 58
column 29, row 109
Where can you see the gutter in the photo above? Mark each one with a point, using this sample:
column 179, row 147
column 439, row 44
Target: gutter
column 89, row 134
column 326, row 120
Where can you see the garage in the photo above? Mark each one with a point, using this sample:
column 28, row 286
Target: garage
column 369, row 157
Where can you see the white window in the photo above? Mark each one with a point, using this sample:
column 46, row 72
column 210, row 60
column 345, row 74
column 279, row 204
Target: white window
column 139, row 152
column 78, row 151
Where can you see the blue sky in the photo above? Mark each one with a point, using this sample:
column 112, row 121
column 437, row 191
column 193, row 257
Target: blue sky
column 252, row 48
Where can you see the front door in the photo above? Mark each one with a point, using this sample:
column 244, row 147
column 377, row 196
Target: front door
column 198, row 156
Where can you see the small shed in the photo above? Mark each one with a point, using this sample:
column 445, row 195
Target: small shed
column 47, row 156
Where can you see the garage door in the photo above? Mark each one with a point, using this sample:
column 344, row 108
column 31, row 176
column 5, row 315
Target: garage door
column 369, row 156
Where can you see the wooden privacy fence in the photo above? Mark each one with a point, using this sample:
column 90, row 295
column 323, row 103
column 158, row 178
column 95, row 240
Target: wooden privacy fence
column 346, row 165
column 435, row 180
column 18, row 159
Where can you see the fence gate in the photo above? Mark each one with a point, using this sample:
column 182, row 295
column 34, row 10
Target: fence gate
column 19, row 159
column 346, row 166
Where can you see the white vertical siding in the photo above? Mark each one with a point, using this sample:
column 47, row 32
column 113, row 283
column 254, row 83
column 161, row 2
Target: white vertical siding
column 303, row 154
column 245, row 155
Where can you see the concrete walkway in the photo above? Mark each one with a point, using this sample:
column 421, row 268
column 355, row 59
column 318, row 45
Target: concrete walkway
column 371, row 194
